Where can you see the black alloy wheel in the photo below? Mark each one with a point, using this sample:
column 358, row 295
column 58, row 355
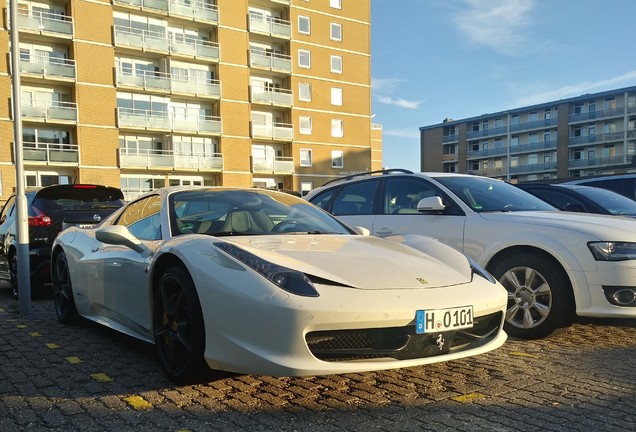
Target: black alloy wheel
column 65, row 308
column 178, row 327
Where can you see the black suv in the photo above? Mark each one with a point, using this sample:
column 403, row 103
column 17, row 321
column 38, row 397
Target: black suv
column 50, row 210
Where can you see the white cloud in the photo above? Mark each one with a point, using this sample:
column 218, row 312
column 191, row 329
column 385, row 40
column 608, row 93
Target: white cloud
column 384, row 85
column 497, row 24
column 402, row 103
column 624, row 80
column 402, row 133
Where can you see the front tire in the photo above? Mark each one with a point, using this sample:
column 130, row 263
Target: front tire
column 540, row 303
column 65, row 308
column 178, row 327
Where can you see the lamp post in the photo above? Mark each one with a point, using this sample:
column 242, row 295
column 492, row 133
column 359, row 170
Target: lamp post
column 22, row 227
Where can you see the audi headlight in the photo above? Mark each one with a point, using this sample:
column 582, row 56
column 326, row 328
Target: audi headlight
column 290, row 280
column 613, row 251
column 479, row 270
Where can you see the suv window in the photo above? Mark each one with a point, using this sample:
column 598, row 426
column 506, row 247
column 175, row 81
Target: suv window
column 401, row 195
column 356, row 198
column 78, row 197
column 322, row 199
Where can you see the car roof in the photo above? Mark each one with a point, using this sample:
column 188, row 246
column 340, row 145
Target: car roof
column 394, row 171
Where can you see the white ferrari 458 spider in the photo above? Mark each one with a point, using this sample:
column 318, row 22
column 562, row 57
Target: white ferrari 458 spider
column 263, row 282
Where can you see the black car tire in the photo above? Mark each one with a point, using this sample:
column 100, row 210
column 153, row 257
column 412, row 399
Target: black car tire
column 178, row 327
column 65, row 308
column 540, row 302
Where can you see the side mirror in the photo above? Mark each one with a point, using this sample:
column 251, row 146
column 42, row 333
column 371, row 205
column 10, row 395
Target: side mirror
column 433, row 203
column 362, row 230
column 119, row 235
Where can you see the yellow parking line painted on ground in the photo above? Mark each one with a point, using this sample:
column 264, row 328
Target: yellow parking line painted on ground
column 73, row 360
column 35, row 334
column 101, row 377
column 138, row 403
column 21, row 326
column 52, row 345
column 469, row 397
column 522, row 354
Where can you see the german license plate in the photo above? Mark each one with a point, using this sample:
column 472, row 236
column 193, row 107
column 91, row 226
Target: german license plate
column 86, row 225
column 439, row 320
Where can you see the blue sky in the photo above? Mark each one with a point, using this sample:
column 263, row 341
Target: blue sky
column 432, row 59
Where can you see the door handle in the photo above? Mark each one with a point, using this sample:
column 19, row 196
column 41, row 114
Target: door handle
column 95, row 248
column 384, row 231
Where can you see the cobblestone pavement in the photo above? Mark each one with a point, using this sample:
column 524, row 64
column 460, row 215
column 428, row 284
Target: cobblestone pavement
column 90, row 378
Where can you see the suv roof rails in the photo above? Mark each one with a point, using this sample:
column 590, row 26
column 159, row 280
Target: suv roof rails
column 384, row 171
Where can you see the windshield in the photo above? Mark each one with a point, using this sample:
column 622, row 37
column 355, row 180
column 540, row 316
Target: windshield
column 613, row 202
column 490, row 195
column 247, row 212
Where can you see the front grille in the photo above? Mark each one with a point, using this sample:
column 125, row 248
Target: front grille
column 399, row 343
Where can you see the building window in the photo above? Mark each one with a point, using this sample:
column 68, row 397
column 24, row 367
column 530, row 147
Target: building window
column 305, row 125
column 337, row 128
column 514, row 141
column 514, row 119
column 305, row 157
column 533, row 138
column 514, row 161
column 474, row 165
column 336, row 4
column 304, row 92
column 336, row 96
column 533, row 116
column 336, row 32
column 337, row 159
column 305, row 187
column 591, row 107
column 336, row 64
column 547, row 114
column 578, row 108
column 304, row 25
column 498, row 122
column 304, row 58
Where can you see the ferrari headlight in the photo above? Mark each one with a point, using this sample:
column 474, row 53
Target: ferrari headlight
column 290, row 280
column 613, row 251
column 479, row 270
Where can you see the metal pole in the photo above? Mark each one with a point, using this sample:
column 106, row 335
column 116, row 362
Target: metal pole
column 22, row 227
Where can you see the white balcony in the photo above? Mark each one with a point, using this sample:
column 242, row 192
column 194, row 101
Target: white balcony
column 160, row 42
column 170, row 159
column 161, row 120
column 48, row 67
column 53, row 24
column 259, row 58
column 161, row 81
column 49, row 111
column 270, row 26
column 275, row 165
column 271, row 96
column 51, row 154
column 272, row 131
column 195, row 10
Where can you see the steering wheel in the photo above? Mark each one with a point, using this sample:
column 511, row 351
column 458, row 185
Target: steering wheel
column 284, row 226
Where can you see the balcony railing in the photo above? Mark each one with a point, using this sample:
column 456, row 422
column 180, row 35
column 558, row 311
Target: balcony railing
column 162, row 81
column 449, row 157
column 196, row 10
column 535, row 124
column 487, row 152
column 48, row 67
column 276, row 165
column 283, row 2
column 591, row 115
column 49, row 111
column 608, row 160
column 161, row 120
column 48, row 23
column 529, row 168
column 50, row 153
column 170, row 159
column 273, row 131
column 534, row 146
column 271, row 26
column 260, row 58
column 597, row 138
column 271, row 96
column 160, row 42
column 450, row 138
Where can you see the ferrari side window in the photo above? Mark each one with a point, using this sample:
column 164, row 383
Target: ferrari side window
column 142, row 218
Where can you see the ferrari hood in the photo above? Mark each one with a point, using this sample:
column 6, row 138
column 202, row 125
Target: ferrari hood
column 358, row 261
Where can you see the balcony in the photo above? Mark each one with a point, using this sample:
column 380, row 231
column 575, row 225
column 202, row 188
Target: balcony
column 162, row 120
column 532, row 168
column 536, row 124
column 50, row 154
column 592, row 115
column 534, row 146
column 270, row 26
column 195, row 10
column 46, row 23
column 160, row 42
column 596, row 138
column 170, row 160
column 276, row 165
column 450, row 138
column 49, row 111
column 487, row 152
column 450, row 157
column 48, row 67
column 260, row 58
column 487, row 132
column 165, row 82
column 603, row 161
column 271, row 96
column 272, row 131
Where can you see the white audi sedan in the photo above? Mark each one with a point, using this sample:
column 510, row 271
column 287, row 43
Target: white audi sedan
column 552, row 263
column 263, row 282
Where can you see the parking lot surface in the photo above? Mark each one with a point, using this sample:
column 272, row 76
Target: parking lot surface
column 90, row 378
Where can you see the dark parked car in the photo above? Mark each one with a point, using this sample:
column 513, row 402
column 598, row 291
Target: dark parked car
column 586, row 199
column 50, row 210
column 624, row 184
